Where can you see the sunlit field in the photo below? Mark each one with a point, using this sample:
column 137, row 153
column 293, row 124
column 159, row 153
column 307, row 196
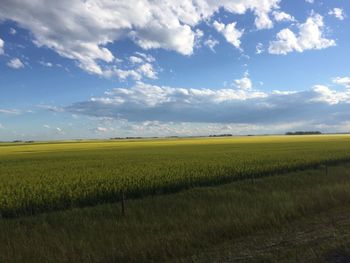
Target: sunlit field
column 40, row 177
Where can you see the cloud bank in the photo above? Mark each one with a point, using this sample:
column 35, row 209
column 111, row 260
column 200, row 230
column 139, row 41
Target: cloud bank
column 144, row 102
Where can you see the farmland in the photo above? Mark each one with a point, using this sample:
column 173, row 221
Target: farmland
column 303, row 216
column 39, row 177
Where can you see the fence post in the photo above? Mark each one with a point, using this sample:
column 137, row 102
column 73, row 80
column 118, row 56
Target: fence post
column 123, row 202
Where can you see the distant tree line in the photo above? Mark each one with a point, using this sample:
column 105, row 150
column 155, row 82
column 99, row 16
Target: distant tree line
column 220, row 135
column 303, row 133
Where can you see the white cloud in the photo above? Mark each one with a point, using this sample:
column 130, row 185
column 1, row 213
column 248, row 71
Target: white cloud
column 344, row 81
column 140, row 66
column 263, row 21
column 284, row 92
column 87, row 27
column 145, row 57
column 259, row 48
column 309, row 1
column 2, row 43
column 150, row 103
column 46, row 64
column 198, row 38
column 46, row 126
column 244, row 83
column 124, row 74
column 282, row 16
column 135, row 60
column 139, row 69
column 286, row 42
column 230, row 32
column 15, row 63
column 101, row 129
column 10, row 111
column 211, row 43
column 151, row 128
column 310, row 36
column 145, row 102
column 337, row 13
column 325, row 94
column 147, row 70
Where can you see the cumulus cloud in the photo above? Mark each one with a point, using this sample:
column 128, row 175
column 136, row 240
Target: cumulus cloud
column 309, row 1
column 138, row 70
column 337, row 13
column 310, row 36
column 15, row 63
column 144, row 102
column 230, row 32
column 148, row 71
column 244, row 83
column 282, row 16
column 263, row 21
column 325, row 94
column 2, row 43
column 344, row 81
column 86, row 29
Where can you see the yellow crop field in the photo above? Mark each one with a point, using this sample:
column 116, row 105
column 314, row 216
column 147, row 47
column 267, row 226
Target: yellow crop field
column 42, row 176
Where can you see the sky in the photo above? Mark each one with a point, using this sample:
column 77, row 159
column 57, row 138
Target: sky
column 74, row 69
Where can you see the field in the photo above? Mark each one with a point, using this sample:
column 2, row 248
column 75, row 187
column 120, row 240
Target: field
column 302, row 216
column 39, row 177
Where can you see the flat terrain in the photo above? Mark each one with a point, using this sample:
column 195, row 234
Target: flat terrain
column 39, row 177
column 239, row 199
column 302, row 216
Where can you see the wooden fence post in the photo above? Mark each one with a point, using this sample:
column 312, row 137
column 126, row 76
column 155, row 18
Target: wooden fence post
column 123, row 202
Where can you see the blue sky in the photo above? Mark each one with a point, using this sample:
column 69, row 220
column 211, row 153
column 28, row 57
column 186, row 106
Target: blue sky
column 100, row 69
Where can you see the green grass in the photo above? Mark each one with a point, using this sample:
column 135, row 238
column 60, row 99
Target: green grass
column 50, row 176
column 283, row 218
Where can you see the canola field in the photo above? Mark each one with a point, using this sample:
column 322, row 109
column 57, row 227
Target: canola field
column 39, row 177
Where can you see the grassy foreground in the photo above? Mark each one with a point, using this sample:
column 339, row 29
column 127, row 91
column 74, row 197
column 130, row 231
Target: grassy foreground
column 42, row 177
column 248, row 220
